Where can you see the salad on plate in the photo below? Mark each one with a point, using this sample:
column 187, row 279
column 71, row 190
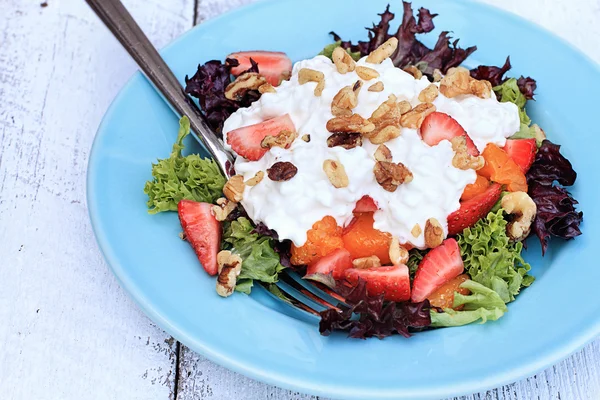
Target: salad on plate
column 382, row 170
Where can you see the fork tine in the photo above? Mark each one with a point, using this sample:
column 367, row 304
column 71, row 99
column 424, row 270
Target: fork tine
column 309, row 291
column 319, row 290
column 302, row 301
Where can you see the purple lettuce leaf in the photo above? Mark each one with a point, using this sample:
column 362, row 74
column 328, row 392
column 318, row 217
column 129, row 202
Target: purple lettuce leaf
column 550, row 166
column 556, row 213
column 369, row 316
column 495, row 75
column 443, row 56
column 283, row 248
column 208, row 85
column 527, row 86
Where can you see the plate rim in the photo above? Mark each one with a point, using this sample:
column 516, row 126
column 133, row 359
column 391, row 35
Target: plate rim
column 576, row 342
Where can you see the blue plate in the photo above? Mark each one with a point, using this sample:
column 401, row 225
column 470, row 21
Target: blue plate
column 267, row 340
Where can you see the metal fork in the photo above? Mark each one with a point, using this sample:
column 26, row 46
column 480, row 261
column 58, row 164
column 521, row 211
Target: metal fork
column 114, row 15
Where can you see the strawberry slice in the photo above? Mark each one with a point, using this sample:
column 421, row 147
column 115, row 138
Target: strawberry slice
column 335, row 263
column 473, row 210
column 393, row 281
column 438, row 126
column 246, row 141
column 275, row 66
column 365, row 204
column 202, row 230
column 522, row 152
column 438, row 267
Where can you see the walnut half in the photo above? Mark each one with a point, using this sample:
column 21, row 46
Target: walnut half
column 229, row 268
column 391, row 175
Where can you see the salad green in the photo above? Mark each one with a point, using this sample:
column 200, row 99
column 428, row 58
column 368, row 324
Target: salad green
column 509, row 92
column 482, row 304
column 492, row 260
column 260, row 261
column 178, row 177
column 328, row 51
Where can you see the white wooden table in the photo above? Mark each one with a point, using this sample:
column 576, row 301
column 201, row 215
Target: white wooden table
column 67, row 330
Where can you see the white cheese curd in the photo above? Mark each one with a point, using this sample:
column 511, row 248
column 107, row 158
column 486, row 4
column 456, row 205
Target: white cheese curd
column 292, row 207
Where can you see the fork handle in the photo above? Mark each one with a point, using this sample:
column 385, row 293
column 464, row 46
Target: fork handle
column 120, row 22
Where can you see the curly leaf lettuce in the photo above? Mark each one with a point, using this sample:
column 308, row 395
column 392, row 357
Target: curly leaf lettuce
column 328, row 51
column 509, row 91
column 178, row 177
column 260, row 262
column 492, row 260
column 481, row 305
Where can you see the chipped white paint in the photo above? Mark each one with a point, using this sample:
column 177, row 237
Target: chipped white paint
column 67, row 330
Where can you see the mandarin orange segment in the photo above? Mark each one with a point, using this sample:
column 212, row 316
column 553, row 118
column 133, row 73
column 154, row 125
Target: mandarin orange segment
column 324, row 237
column 362, row 240
column 444, row 296
column 473, row 189
column 500, row 168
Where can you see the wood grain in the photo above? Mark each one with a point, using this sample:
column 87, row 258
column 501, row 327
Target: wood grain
column 67, row 330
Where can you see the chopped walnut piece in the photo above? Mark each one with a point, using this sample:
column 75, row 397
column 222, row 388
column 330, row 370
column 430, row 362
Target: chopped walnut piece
column 282, row 171
column 223, row 208
column 458, row 81
column 429, row 94
column 342, row 60
column 523, row 210
column 376, row 87
column 229, row 268
column 383, row 153
column 391, row 175
column 344, row 101
column 356, row 87
column 243, row 83
column 284, row 139
column 481, row 89
column 398, row 254
column 306, row 137
column 367, row 262
column 255, row 180
column 386, row 134
column 353, row 123
column 437, row 75
column 384, row 51
column 336, row 173
column 414, row 118
column 416, row 230
column 462, row 159
column 347, row 140
column 386, row 119
column 414, row 71
column 366, row 73
column 234, row 188
column 266, row 88
column 310, row 75
column 434, row 233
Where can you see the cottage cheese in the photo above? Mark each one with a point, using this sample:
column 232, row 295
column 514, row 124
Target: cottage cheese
column 292, row 207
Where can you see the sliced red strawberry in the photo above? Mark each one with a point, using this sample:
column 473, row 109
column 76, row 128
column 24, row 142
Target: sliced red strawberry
column 473, row 210
column 522, row 151
column 438, row 267
column 246, row 141
column 438, row 126
column 335, row 263
column 393, row 282
column 365, row 204
column 273, row 65
column 202, row 231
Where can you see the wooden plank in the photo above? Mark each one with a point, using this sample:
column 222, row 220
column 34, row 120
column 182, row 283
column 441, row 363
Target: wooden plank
column 576, row 378
column 67, row 330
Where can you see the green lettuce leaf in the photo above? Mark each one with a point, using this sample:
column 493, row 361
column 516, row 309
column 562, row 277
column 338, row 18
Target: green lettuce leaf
column 491, row 259
column 509, row 92
column 178, row 177
column 328, row 51
column 414, row 259
column 481, row 305
column 260, row 262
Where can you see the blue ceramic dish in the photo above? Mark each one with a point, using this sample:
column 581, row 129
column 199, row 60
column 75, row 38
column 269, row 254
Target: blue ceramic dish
column 269, row 341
